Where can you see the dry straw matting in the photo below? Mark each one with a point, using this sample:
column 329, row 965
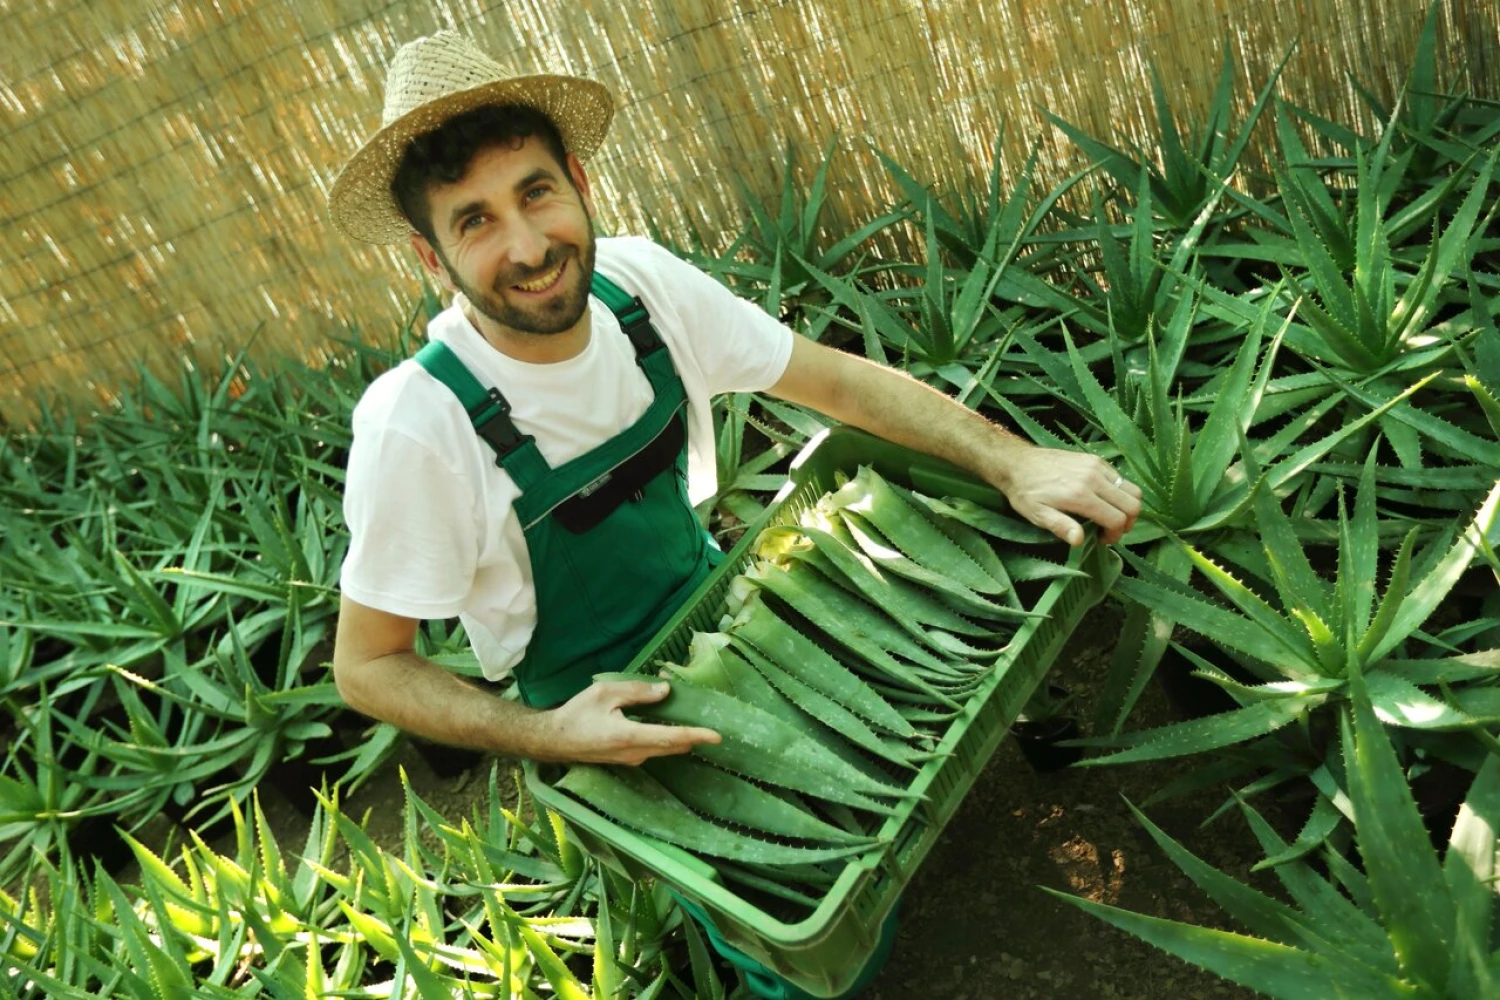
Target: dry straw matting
column 165, row 164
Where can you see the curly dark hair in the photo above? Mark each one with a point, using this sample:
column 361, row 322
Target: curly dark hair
column 443, row 155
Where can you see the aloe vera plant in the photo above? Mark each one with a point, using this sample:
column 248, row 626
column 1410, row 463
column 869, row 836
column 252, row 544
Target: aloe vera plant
column 1191, row 165
column 1406, row 924
column 1311, row 642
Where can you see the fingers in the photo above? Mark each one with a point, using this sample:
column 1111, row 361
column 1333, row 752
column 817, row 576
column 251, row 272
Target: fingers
column 1060, row 524
column 677, row 739
column 620, row 693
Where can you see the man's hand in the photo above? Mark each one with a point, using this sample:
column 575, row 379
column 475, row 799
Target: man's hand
column 592, row 728
column 1045, row 485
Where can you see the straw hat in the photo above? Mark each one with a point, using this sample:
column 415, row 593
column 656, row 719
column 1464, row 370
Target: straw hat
column 430, row 81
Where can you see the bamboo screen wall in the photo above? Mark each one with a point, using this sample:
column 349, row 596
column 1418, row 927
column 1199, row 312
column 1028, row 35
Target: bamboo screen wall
column 165, row 163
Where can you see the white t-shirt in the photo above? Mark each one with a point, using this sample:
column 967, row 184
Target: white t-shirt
column 433, row 532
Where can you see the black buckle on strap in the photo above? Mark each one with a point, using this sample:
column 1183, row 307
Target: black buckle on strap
column 637, row 326
column 497, row 428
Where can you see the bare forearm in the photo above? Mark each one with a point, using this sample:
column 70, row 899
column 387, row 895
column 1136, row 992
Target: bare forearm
column 422, row 698
column 893, row 405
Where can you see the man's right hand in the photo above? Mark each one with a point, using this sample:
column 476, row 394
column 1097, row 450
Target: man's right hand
column 591, row 727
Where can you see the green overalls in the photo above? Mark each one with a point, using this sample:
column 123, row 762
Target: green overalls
column 614, row 544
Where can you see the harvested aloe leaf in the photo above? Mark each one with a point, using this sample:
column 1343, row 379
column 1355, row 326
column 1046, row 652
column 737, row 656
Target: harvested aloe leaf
column 883, row 554
column 908, row 606
column 827, row 615
column 973, row 544
column 982, row 519
column 720, row 795
column 632, row 797
column 747, row 684
column 829, row 711
column 794, row 652
column 763, row 746
column 910, row 531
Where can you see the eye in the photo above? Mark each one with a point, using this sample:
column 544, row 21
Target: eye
column 534, row 193
column 467, row 224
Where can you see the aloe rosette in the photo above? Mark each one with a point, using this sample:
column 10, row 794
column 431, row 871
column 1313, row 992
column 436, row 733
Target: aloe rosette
column 1400, row 925
column 1306, row 639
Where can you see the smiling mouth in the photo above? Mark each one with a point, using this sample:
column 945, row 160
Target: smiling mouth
column 545, row 282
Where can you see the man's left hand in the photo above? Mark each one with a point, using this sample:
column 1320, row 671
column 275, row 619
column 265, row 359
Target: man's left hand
column 1046, row 485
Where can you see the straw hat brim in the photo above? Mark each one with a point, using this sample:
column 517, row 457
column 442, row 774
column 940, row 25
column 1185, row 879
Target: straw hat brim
column 360, row 201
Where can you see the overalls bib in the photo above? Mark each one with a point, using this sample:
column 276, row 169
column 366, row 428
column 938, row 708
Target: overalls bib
column 614, row 544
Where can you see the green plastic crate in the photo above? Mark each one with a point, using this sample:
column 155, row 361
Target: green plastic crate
column 824, row 952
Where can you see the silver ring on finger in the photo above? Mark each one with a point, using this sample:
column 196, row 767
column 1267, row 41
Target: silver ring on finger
column 1119, row 481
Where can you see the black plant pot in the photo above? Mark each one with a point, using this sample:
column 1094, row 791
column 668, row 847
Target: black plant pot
column 1039, row 743
column 1039, row 737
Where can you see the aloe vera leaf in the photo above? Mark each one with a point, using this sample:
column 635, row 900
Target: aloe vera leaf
column 720, row 795
column 704, row 668
column 969, row 539
column 1403, row 870
column 1448, row 670
column 982, row 519
column 1293, row 574
column 1210, row 733
column 1470, row 864
column 1400, row 703
column 761, row 628
column 1255, row 609
column 1322, row 821
column 1432, row 588
column 1276, row 970
column 632, row 797
column 939, row 640
column 760, row 745
column 886, row 556
column 1227, row 628
column 829, row 712
column 747, row 684
column 1027, row 567
column 1259, row 913
column 866, row 618
column 742, row 875
column 1335, row 916
column 827, row 615
column 1390, row 601
column 1359, row 550
column 909, row 606
column 909, row 531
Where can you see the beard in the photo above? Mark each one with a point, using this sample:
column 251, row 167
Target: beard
column 558, row 314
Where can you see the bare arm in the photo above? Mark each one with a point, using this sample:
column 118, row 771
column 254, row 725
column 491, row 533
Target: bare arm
column 1044, row 485
column 379, row 674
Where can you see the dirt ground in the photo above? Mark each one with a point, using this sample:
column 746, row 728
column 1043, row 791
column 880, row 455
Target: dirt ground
column 974, row 925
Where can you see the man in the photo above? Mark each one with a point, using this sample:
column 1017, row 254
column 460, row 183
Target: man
column 562, row 531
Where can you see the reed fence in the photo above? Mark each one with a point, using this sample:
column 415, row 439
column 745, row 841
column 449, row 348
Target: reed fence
column 165, row 164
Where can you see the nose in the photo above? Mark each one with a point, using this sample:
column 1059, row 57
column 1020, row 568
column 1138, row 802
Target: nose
column 527, row 245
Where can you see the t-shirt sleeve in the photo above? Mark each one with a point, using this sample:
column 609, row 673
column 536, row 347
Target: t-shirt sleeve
column 738, row 346
column 413, row 535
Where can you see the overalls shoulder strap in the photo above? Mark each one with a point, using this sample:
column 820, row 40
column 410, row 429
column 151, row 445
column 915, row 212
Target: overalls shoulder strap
column 487, row 407
column 630, row 311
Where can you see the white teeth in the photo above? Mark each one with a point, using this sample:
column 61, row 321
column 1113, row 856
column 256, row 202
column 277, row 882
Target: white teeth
column 543, row 282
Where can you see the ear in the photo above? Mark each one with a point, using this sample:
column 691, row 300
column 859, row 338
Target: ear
column 581, row 182
column 431, row 263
